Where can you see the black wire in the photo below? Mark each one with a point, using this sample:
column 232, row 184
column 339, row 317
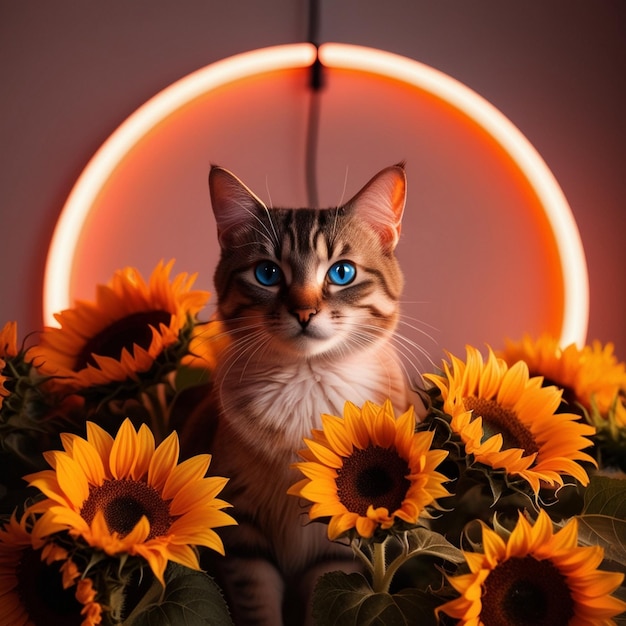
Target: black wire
column 316, row 83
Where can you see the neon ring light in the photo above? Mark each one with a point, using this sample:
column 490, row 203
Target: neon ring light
column 61, row 255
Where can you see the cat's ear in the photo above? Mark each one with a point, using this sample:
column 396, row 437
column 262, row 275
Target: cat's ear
column 234, row 205
column 381, row 204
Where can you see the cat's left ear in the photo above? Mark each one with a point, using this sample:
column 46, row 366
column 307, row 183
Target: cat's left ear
column 235, row 206
column 381, row 203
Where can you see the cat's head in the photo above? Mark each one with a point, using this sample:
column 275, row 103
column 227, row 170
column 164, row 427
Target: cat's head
column 308, row 282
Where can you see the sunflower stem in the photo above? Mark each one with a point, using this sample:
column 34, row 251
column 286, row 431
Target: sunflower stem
column 400, row 560
column 380, row 584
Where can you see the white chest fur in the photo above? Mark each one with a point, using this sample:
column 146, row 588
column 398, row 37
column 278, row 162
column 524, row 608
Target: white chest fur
column 280, row 403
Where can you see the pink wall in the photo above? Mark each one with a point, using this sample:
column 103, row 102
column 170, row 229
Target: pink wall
column 70, row 73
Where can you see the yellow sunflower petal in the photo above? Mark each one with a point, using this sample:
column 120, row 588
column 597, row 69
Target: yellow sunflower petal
column 89, row 461
column 145, row 450
column 383, row 425
column 494, row 546
column 542, row 530
column 8, row 340
column 490, row 381
column 137, row 535
column 186, row 474
column 296, row 488
column 365, row 526
column 61, row 518
column 123, row 455
column 72, row 480
column 513, row 384
column 355, row 425
column 326, row 509
column 337, row 434
column 67, row 441
column 567, row 538
column 405, row 431
column 197, row 525
column 598, row 584
column 46, row 481
column 319, row 490
column 201, row 492
column 163, row 461
column 156, row 555
column 187, row 556
column 100, row 440
column 339, row 524
column 314, row 470
column 324, row 454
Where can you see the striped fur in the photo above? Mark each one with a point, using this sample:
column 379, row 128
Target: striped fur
column 297, row 349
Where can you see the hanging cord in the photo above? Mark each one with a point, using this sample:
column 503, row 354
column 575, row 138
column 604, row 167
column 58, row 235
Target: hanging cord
column 316, row 84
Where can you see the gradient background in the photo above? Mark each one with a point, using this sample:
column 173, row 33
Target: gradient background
column 71, row 72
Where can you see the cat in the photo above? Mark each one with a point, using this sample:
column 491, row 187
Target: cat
column 309, row 300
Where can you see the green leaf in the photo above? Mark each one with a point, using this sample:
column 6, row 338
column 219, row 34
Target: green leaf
column 608, row 532
column 190, row 598
column 190, row 377
column 606, row 496
column 603, row 520
column 342, row 599
column 424, row 541
column 418, row 606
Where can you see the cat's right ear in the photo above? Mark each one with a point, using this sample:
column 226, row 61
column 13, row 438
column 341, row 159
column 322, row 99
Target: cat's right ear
column 234, row 205
column 381, row 204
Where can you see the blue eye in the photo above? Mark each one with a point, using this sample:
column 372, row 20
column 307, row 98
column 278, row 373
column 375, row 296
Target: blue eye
column 342, row 273
column 267, row 273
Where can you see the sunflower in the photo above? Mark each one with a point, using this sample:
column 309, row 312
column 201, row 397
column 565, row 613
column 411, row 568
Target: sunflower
column 535, row 577
column 121, row 334
column 8, row 340
column 39, row 585
column 591, row 376
column 368, row 470
column 508, row 420
column 124, row 496
column 8, row 350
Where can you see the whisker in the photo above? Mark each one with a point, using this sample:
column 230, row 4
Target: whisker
column 267, row 191
column 263, row 344
column 404, row 345
column 363, row 340
column 345, row 186
column 274, row 231
column 267, row 234
column 238, row 350
column 423, row 333
column 420, row 321
column 402, row 321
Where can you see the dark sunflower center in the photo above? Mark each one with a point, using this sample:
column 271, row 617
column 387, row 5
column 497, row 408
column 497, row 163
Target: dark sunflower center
column 526, row 592
column 497, row 419
column 124, row 503
column 132, row 329
column 41, row 593
column 374, row 476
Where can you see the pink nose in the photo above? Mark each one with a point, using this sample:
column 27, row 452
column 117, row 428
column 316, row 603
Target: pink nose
column 303, row 315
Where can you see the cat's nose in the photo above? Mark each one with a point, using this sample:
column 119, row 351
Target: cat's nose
column 303, row 315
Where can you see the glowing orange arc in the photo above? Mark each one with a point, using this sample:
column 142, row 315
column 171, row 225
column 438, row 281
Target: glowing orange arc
column 341, row 56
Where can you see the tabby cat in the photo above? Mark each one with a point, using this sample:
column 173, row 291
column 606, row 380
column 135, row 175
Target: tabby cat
column 309, row 301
